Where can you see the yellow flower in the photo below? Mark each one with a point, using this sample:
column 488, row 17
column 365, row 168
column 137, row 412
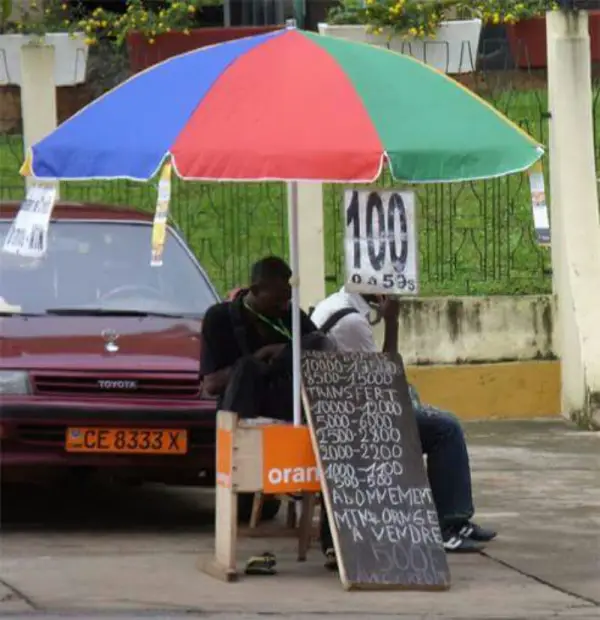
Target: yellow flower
column 496, row 18
column 104, row 24
column 412, row 32
column 186, row 31
column 90, row 41
column 191, row 8
column 151, row 41
column 64, row 7
column 168, row 30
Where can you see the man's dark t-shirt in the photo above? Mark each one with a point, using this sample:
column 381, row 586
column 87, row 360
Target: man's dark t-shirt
column 226, row 323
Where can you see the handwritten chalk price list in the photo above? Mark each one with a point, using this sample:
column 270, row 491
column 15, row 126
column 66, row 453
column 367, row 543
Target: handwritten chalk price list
column 380, row 242
column 370, row 457
column 28, row 234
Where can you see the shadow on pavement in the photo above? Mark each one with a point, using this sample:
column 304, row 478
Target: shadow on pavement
column 98, row 506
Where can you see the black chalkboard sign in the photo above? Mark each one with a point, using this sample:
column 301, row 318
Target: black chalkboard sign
column 381, row 512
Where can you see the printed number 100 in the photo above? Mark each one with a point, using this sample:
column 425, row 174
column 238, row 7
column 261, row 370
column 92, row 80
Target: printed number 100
column 385, row 217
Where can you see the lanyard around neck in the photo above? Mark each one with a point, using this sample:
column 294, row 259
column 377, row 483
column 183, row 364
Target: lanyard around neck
column 278, row 325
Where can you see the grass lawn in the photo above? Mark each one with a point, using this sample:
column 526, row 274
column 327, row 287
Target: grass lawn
column 475, row 238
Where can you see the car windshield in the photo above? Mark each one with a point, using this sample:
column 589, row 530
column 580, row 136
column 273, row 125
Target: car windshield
column 103, row 267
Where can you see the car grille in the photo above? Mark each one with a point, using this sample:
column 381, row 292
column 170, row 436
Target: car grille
column 180, row 386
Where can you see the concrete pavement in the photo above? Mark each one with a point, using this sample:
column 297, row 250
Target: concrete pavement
column 131, row 553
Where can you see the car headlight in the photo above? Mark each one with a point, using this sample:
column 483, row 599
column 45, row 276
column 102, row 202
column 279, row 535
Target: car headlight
column 14, row 382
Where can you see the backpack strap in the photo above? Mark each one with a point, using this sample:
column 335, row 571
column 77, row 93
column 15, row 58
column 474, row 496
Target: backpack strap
column 335, row 318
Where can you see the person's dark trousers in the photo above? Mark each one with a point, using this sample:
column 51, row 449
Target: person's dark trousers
column 448, row 469
column 325, row 535
column 261, row 389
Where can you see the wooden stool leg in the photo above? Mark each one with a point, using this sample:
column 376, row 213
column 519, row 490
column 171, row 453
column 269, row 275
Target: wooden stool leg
column 306, row 525
column 257, row 506
column 223, row 565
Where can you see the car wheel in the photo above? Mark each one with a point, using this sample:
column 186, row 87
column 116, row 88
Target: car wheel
column 270, row 509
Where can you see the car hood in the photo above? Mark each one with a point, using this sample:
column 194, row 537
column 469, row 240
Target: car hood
column 79, row 343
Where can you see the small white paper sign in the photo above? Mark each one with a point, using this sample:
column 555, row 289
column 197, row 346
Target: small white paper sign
column 380, row 242
column 28, row 234
column 541, row 221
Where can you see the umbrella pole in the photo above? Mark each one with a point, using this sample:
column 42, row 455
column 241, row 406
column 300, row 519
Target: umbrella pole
column 292, row 190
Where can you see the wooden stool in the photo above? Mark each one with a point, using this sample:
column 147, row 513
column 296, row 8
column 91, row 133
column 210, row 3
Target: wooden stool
column 241, row 469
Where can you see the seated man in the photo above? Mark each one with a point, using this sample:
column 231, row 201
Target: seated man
column 246, row 357
column 345, row 318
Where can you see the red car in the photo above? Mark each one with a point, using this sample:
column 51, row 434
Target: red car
column 99, row 367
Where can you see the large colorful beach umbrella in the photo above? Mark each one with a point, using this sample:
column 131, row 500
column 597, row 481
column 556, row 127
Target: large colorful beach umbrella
column 287, row 105
column 291, row 106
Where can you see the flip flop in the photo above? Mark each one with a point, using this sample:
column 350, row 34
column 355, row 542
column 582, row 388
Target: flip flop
column 261, row 564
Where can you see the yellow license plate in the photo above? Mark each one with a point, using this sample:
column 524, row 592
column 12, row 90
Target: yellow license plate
column 127, row 440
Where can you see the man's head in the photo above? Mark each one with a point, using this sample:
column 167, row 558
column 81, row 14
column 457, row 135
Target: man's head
column 383, row 307
column 270, row 286
column 372, row 300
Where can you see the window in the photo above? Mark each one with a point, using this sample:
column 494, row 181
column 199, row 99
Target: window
column 104, row 265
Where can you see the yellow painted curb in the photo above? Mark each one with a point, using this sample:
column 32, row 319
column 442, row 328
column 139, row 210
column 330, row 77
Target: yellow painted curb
column 508, row 390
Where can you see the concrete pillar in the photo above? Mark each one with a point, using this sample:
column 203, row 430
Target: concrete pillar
column 38, row 93
column 575, row 219
column 311, row 244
